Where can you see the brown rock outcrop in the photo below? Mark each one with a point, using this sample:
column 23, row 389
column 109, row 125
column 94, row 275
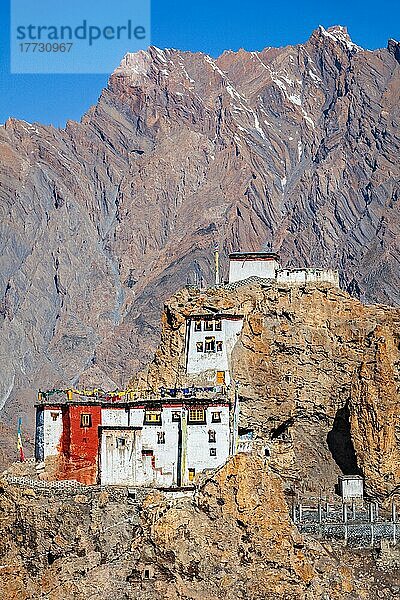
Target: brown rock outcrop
column 235, row 540
column 317, row 375
column 103, row 220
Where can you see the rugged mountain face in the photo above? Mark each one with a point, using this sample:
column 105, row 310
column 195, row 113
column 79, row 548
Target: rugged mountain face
column 295, row 147
column 317, row 377
column 233, row 540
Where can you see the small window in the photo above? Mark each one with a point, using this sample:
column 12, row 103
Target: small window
column 213, row 452
column 152, row 417
column 218, row 325
column 86, row 420
column 161, row 437
column 197, row 415
column 176, row 417
column 209, row 326
column 120, row 442
column 54, row 416
column 192, row 473
column 215, row 417
column 212, row 437
column 199, row 346
column 210, row 344
column 219, row 346
column 197, row 325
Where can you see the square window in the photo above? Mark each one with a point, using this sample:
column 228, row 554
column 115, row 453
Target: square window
column 210, row 344
column 120, row 442
column 213, row 452
column 176, row 417
column 212, row 437
column 199, row 346
column 152, row 417
column 160, row 437
column 209, row 326
column 216, row 417
column 86, row 420
column 197, row 415
column 197, row 325
column 218, row 325
column 219, row 346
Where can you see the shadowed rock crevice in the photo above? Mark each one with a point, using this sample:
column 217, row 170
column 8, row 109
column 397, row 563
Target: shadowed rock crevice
column 340, row 443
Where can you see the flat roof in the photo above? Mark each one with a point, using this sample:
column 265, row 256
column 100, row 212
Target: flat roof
column 140, row 403
column 215, row 316
column 254, row 256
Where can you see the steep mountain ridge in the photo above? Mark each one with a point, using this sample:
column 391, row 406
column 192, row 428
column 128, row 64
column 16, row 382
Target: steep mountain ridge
column 295, row 147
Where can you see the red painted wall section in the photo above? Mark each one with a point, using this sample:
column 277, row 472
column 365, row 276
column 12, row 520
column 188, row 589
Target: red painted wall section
column 80, row 444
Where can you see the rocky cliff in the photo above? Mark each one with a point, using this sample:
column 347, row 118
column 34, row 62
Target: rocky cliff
column 317, row 376
column 233, row 540
column 296, row 147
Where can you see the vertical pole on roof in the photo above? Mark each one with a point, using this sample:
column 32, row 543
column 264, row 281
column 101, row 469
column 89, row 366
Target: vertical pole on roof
column 216, row 257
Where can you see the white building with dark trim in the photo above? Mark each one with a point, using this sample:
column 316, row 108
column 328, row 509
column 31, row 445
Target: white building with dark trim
column 210, row 339
column 161, row 443
column 266, row 265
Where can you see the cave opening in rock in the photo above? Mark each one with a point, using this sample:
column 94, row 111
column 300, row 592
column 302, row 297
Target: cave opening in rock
column 340, row 443
column 282, row 430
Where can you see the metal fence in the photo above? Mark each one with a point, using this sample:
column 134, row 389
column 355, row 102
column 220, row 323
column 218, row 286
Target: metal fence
column 357, row 525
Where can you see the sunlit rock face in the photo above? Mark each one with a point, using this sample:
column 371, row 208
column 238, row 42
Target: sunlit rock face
column 234, row 539
column 317, row 375
column 295, row 147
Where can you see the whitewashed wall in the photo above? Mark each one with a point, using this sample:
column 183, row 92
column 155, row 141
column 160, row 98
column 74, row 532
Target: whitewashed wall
column 126, row 465
column 53, row 430
column 166, row 455
column 119, row 464
column 352, row 488
column 114, row 416
column 299, row 276
column 199, row 362
column 242, row 269
column 198, row 447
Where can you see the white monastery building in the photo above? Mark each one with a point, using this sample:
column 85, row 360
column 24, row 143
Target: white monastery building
column 118, row 438
column 265, row 265
column 210, row 340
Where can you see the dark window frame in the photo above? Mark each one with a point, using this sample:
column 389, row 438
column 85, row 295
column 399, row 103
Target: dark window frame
column 87, row 416
column 213, row 452
column 146, row 421
column 210, row 341
column 197, row 326
column 216, row 417
column 192, row 421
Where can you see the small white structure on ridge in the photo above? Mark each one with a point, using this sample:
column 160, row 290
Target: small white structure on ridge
column 266, row 265
column 351, row 487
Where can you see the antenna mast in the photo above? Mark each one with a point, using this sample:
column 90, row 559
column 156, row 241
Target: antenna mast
column 216, row 256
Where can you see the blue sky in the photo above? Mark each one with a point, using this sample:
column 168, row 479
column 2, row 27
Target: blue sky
column 207, row 25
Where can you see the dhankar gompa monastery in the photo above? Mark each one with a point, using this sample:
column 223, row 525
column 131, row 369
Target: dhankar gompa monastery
column 120, row 438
